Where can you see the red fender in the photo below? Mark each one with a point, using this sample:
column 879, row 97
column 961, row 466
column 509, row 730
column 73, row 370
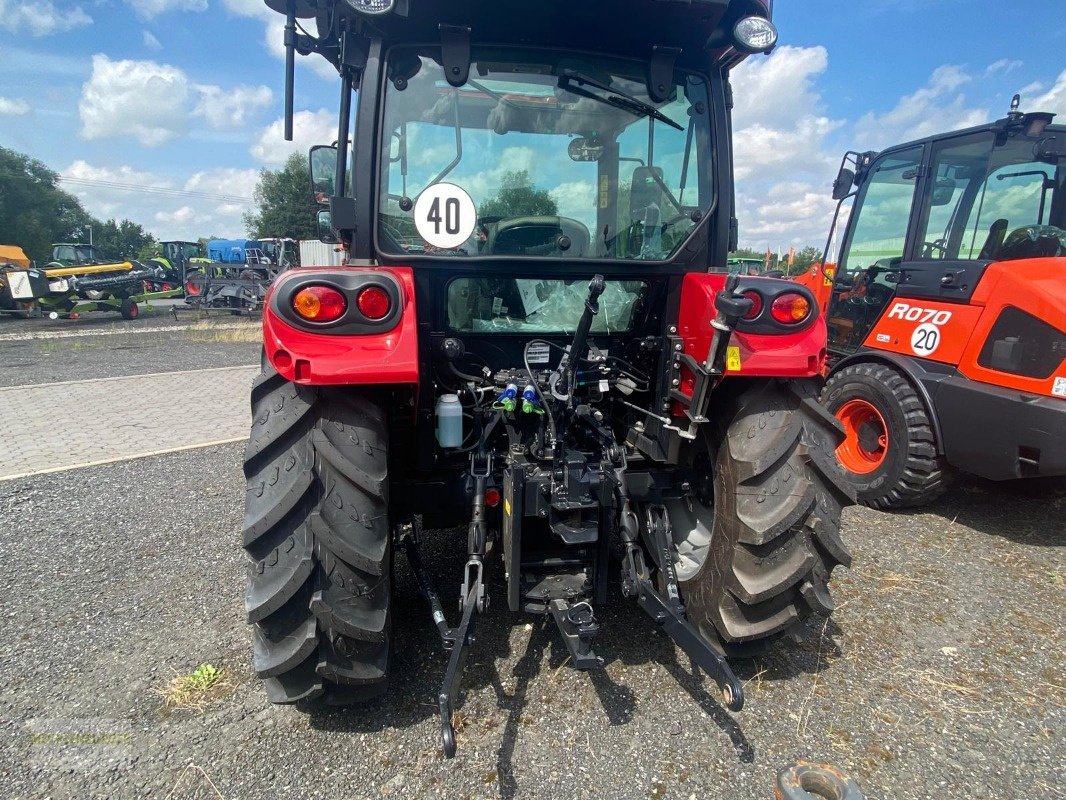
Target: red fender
column 322, row 359
column 786, row 355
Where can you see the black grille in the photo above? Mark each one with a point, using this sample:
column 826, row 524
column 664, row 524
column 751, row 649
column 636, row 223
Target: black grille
column 1021, row 344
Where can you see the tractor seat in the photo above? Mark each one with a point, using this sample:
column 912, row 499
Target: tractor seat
column 538, row 236
column 996, row 233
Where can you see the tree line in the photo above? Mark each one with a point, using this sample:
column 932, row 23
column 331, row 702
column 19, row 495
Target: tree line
column 35, row 212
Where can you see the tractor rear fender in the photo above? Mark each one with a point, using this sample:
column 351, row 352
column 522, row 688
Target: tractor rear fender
column 922, row 375
column 760, row 348
column 354, row 350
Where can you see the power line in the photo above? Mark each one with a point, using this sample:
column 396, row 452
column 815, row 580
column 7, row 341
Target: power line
column 132, row 187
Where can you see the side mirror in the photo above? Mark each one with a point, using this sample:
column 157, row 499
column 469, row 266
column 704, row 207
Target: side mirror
column 842, row 185
column 325, row 228
column 1050, row 149
column 645, row 191
column 585, row 148
column 323, row 163
column 943, row 191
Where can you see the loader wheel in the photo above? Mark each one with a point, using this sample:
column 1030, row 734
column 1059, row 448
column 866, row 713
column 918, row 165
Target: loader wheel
column 316, row 532
column 889, row 453
column 758, row 534
column 129, row 309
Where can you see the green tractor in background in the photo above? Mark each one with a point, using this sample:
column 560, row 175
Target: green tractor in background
column 176, row 260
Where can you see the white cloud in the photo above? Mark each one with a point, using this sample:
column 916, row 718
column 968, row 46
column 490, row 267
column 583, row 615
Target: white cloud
column 1003, row 65
column 232, row 107
column 13, row 108
column 783, row 155
column 935, row 108
column 1053, row 100
column 576, row 199
column 40, row 17
column 308, row 128
column 166, row 215
column 121, row 98
column 148, row 9
column 274, row 35
column 150, row 41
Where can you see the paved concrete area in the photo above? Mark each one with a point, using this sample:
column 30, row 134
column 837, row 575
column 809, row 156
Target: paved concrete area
column 56, row 426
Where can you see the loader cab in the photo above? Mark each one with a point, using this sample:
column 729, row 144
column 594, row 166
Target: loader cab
column 930, row 216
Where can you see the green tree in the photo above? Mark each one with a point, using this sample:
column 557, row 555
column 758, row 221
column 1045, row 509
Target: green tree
column 518, row 197
column 284, row 206
column 124, row 239
column 34, row 211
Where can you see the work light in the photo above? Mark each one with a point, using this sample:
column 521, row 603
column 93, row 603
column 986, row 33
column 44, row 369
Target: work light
column 753, row 34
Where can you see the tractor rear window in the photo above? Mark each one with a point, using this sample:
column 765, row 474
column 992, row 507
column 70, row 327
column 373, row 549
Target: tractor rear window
column 543, row 155
column 1021, row 344
column 531, row 305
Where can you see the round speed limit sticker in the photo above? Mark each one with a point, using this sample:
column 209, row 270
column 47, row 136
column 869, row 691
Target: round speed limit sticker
column 445, row 215
column 925, row 339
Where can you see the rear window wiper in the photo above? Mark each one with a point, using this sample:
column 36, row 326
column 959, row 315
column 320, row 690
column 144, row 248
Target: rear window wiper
column 574, row 82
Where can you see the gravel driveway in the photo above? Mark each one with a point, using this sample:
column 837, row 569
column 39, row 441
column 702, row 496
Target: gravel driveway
column 939, row 676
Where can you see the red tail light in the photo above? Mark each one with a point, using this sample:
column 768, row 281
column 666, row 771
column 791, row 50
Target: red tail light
column 756, row 304
column 790, row 308
column 319, row 304
column 374, row 302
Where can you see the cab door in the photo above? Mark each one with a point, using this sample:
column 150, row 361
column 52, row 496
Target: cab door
column 874, row 246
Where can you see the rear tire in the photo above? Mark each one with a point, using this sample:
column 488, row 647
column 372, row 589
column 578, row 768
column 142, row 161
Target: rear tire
column 129, row 309
column 316, row 532
column 767, row 510
column 904, row 470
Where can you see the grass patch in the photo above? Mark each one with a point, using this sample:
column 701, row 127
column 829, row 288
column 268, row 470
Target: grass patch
column 197, row 688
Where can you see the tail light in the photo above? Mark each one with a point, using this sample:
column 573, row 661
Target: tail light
column 790, row 308
column 319, row 304
column 373, row 303
column 756, row 304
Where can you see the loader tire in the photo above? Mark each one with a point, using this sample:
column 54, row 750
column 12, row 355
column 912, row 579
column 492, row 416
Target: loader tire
column 759, row 535
column 316, row 533
column 889, row 453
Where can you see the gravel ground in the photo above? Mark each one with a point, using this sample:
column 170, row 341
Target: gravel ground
column 940, row 675
column 107, row 346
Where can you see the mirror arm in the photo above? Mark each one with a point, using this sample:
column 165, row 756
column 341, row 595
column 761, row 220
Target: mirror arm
column 290, row 64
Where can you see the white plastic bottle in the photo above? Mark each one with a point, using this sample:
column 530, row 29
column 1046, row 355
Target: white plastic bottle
column 449, row 421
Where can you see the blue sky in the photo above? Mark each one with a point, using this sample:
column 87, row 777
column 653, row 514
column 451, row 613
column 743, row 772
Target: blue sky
column 185, row 96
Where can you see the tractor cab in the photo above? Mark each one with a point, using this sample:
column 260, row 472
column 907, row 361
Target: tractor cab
column 72, row 255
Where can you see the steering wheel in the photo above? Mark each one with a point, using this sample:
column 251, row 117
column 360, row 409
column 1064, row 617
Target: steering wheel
column 877, row 295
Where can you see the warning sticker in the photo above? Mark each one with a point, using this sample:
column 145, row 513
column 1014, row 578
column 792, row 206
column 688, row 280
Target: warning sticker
column 1058, row 388
column 732, row 359
column 538, row 353
column 445, row 215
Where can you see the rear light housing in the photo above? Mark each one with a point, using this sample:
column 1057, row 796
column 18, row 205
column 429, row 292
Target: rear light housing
column 790, row 308
column 373, row 303
column 756, row 304
column 319, row 304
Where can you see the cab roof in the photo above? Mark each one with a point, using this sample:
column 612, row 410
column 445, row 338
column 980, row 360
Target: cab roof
column 629, row 28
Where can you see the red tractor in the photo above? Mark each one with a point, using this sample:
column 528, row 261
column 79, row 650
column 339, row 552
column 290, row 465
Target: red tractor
column 534, row 337
column 947, row 310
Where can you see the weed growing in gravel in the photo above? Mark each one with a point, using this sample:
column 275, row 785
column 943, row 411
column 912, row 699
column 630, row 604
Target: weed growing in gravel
column 197, row 688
